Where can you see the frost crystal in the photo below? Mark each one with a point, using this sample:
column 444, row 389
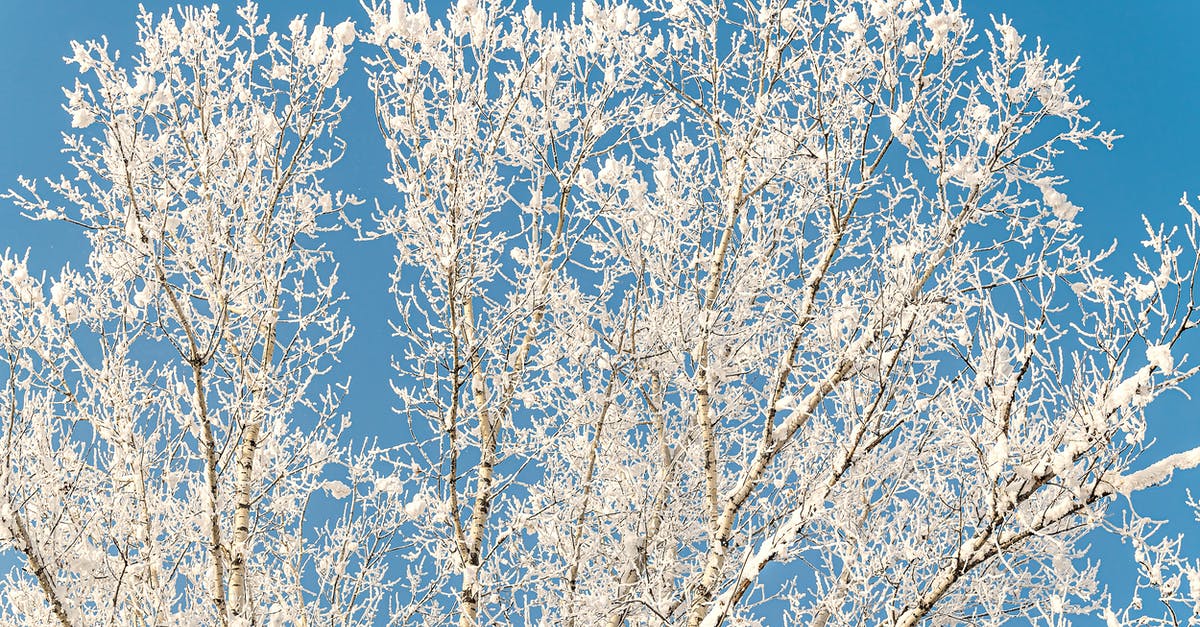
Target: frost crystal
column 1160, row 357
column 344, row 33
column 337, row 489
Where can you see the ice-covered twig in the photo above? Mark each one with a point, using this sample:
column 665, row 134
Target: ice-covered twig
column 1157, row 472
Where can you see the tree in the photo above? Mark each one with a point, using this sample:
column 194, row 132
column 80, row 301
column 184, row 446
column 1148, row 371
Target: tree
column 167, row 409
column 707, row 314
column 719, row 311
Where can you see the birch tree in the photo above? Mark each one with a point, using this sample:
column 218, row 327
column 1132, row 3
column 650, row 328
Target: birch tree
column 167, row 407
column 707, row 313
column 755, row 313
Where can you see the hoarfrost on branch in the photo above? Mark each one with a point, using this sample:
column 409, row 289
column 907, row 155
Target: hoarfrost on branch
column 706, row 313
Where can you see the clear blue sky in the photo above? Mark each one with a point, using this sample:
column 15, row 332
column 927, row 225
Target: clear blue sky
column 1140, row 70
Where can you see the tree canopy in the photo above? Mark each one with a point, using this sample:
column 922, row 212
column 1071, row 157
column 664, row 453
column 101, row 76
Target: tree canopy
column 705, row 313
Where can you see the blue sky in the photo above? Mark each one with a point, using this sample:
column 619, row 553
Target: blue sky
column 1140, row 70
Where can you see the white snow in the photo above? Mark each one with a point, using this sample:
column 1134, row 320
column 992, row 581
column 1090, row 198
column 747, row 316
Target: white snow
column 1160, row 357
column 344, row 33
column 997, row 457
column 59, row 293
column 82, row 118
column 787, row 401
column 415, row 507
column 1157, row 472
column 337, row 489
column 1062, row 208
column 390, row 485
column 851, row 24
column 1125, row 391
column 142, row 297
